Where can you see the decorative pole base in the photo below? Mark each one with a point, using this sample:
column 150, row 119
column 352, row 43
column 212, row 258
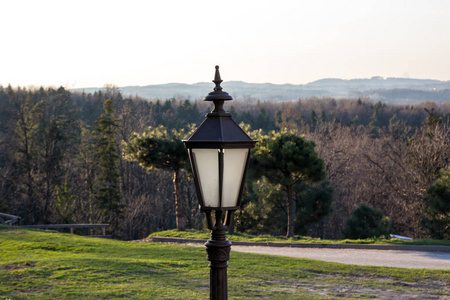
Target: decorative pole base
column 218, row 253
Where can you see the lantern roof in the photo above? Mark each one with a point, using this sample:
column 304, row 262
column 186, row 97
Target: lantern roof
column 219, row 130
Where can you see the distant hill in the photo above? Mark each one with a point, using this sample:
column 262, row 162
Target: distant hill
column 404, row 90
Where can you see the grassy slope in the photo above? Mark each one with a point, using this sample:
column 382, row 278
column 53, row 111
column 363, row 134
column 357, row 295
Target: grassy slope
column 50, row 265
column 193, row 234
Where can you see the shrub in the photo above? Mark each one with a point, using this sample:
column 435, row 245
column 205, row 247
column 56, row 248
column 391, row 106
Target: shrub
column 366, row 222
column 436, row 208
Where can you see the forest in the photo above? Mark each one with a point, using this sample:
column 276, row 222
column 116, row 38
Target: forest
column 69, row 157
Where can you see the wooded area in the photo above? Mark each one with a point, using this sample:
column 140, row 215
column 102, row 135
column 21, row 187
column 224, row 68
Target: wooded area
column 62, row 161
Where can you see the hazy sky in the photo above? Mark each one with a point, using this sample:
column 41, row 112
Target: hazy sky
column 93, row 43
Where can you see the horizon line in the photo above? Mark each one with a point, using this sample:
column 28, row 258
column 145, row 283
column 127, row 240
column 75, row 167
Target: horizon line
column 111, row 85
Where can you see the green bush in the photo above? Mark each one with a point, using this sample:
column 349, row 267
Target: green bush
column 436, row 208
column 366, row 222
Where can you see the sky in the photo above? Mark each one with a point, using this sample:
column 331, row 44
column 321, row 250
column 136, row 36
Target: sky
column 92, row 43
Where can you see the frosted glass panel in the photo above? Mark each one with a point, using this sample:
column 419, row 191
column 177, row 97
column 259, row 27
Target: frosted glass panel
column 207, row 162
column 234, row 165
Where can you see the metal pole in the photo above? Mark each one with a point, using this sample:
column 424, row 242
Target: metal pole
column 218, row 250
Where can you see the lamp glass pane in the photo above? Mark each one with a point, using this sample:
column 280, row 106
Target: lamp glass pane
column 207, row 162
column 234, row 161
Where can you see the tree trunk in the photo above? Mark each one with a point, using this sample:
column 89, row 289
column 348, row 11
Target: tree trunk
column 178, row 203
column 47, row 200
column 291, row 212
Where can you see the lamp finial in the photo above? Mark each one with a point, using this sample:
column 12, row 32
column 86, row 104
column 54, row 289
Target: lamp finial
column 217, row 80
column 218, row 94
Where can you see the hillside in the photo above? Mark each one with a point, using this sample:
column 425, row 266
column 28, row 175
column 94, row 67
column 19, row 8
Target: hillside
column 403, row 90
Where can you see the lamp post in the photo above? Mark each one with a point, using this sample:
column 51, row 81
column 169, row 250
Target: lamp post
column 219, row 152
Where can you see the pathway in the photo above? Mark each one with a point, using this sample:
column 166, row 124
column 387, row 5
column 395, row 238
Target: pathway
column 402, row 259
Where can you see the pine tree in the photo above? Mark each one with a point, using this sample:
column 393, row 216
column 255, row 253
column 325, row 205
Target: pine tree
column 287, row 159
column 158, row 148
column 436, row 204
column 107, row 189
column 376, row 118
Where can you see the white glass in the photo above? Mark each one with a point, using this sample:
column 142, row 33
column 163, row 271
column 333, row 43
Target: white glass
column 207, row 162
column 234, row 161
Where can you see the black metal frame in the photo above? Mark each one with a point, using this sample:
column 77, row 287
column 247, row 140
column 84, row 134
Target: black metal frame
column 197, row 180
column 226, row 223
column 218, row 131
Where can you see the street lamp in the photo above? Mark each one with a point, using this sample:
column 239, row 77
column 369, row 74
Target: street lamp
column 219, row 152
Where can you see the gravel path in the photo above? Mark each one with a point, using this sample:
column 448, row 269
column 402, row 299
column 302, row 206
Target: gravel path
column 402, row 259
column 387, row 258
column 402, row 256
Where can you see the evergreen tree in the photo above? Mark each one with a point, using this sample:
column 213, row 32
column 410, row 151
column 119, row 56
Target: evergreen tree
column 433, row 120
column 188, row 114
column 158, row 148
column 287, row 159
column 436, row 204
column 397, row 127
column 86, row 162
column 314, row 202
column 366, row 222
column 376, row 118
column 264, row 208
column 107, row 190
column 263, row 121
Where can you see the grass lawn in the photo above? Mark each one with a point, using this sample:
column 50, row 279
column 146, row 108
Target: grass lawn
column 49, row 265
column 195, row 234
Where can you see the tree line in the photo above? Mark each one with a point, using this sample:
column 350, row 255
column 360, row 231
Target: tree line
column 64, row 160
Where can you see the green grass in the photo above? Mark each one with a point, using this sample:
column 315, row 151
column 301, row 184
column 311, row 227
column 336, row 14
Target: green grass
column 49, row 265
column 193, row 234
